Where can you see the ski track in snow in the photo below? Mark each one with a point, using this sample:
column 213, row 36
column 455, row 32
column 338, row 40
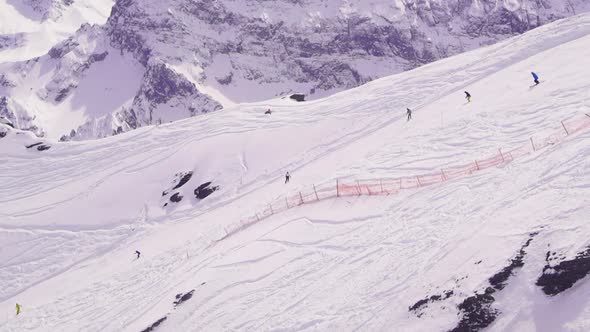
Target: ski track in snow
column 355, row 263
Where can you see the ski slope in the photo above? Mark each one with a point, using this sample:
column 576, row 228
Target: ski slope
column 71, row 217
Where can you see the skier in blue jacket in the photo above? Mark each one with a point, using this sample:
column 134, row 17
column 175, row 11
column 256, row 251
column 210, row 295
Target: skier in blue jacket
column 535, row 77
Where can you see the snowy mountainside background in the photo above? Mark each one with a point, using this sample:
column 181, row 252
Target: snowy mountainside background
column 158, row 61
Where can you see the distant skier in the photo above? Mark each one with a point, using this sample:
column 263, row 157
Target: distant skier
column 409, row 113
column 17, row 309
column 467, row 96
column 287, row 177
column 268, row 112
column 535, row 78
column 137, row 253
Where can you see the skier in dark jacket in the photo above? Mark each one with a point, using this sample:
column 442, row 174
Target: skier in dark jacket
column 137, row 253
column 409, row 113
column 535, row 78
column 268, row 112
column 467, row 96
column 287, row 177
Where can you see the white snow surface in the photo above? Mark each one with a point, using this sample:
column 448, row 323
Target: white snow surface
column 44, row 23
column 71, row 217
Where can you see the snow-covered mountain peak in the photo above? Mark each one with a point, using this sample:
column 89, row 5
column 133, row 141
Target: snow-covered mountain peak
column 228, row 51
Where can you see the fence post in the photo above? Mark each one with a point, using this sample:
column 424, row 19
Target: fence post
column 301, row 197
column 287, row 202
column 358, row 187
column 257, row 219
column 444, row 177
column 476, row 165
column 337, row 188
column 502, row 155
column 316, row 193
column 564, row 128
column 381, row 184
column 271, row 211
column 418, row 178
column 533, row 144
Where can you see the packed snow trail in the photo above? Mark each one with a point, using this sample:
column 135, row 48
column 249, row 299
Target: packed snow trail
column 354, row 263
column 390, row 186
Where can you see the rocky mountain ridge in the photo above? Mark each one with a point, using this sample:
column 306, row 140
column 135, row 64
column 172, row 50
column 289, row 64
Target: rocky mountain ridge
column 199, row 56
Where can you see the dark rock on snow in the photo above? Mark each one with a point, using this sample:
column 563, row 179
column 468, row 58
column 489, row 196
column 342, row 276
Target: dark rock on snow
column 183, row 180
column 205, row 190
column 477, row 311
column 562, row 276
column 155, row 324
column 180, row 298
column 433, row 298
column 298, row 97
column 33, row 145
column 177, row 197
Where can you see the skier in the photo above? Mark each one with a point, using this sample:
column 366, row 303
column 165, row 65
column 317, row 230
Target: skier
column 287, row 177
column 409, row 113
column 467, row 96
column 535, row 78
column 137, row 253
column 17, row 309
column 268, row 112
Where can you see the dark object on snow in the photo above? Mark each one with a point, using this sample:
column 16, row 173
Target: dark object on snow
column 156, row 324
column 287, row 177
column 33, row 145
column 185, row 178
column 498, row 280
column 477, row 312
column 6, row 122
column 177, row 197
column 2, row 134
column 535, row 77
column 137, row 253
column 297, row 97
column 40, row 146
column 415, row 308
column 467, row 96
column 180, row 298
column 268, row 112
column 205, row 190
column 409, row 113
column 558, row 278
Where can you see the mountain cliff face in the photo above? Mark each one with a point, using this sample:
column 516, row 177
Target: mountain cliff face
column 198, row 56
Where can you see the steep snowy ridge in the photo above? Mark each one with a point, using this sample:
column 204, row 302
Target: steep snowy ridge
column 506, row 248
column 246, row 51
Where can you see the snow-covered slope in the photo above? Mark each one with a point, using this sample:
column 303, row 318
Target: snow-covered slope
column 467, row 252
column 181, row 58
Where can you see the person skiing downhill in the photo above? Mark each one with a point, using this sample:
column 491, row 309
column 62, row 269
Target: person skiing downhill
column 268, row 112
column 287, row 177
column 535, row 78
column 17, row 309
column 137, row 253
column 409, row 113
column 467, row 96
